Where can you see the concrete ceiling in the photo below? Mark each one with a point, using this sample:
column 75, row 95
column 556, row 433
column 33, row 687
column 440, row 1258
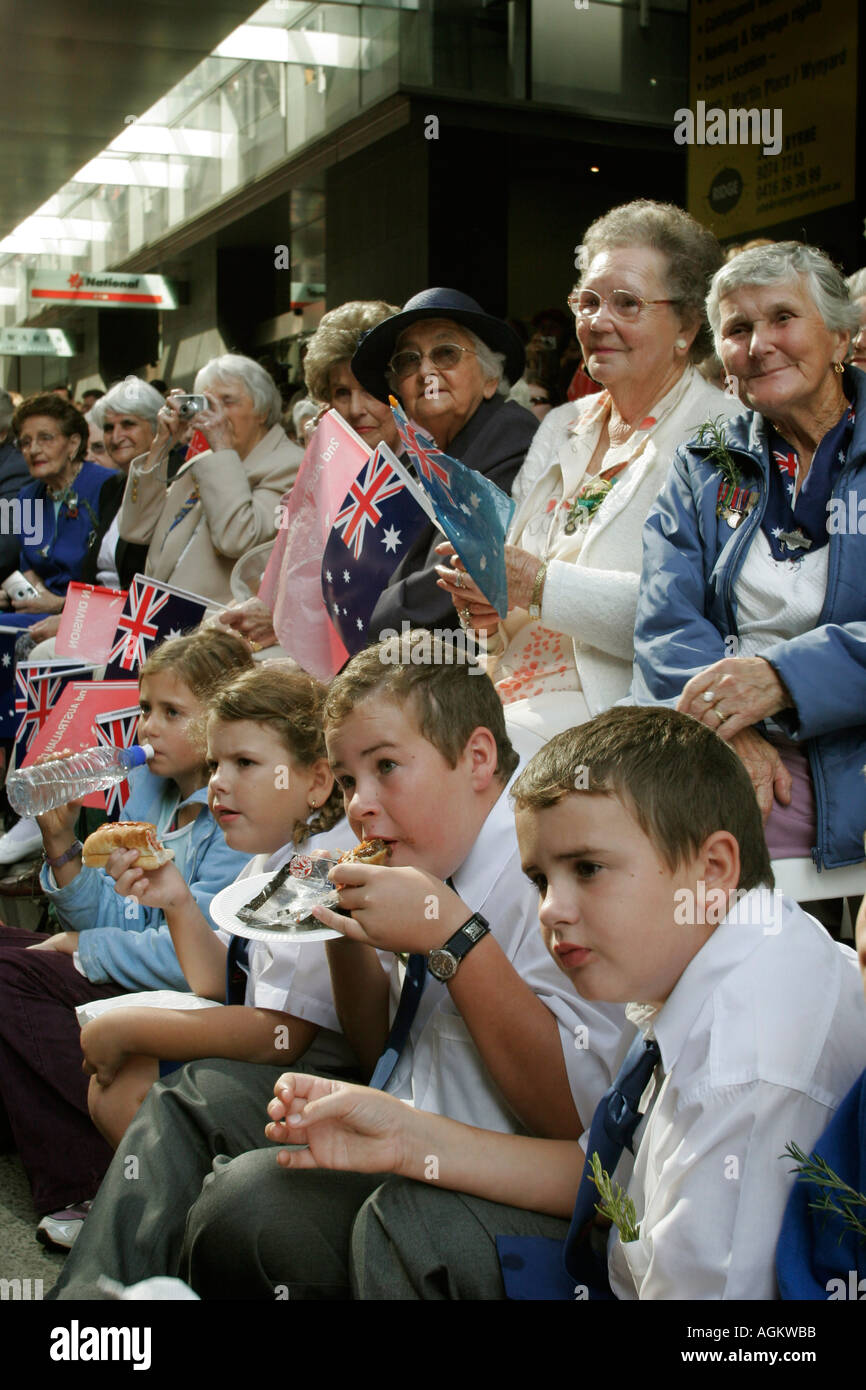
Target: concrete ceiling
column 71, row 70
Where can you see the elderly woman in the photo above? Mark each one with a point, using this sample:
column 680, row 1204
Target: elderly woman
column 66, row 509
column 445, row 358
column 221, row 503
column 595, row 468
column 330, row 382
column 753, row 607
column 857, row 289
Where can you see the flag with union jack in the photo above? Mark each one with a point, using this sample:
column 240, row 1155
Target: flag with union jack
column 371, row 531
column 471, row 510
column 8, row 720
column 117, row 729
column 152, row 612
column 38, row 685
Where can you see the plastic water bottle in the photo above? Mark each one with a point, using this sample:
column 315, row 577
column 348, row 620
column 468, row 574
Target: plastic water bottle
column 34, row 790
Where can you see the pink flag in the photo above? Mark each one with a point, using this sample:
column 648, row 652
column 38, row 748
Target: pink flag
column 89, row 620
column 292, row 583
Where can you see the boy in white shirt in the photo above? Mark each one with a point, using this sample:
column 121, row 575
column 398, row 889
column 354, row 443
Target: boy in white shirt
column 643, row 835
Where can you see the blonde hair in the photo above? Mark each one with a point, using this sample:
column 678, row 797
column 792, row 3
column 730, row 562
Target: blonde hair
column 202, row 659
column 291, row 703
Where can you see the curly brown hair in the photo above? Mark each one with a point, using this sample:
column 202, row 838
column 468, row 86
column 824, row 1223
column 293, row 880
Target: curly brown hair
column 290, row 703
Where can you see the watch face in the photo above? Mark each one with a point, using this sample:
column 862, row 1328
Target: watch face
column 442, row 964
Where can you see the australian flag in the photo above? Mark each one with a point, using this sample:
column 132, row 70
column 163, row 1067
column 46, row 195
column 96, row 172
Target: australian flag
column 372, row 530
column 472, row 511
column 117, row 729
column 38, row 685
column 152, row 612
column 8, row 719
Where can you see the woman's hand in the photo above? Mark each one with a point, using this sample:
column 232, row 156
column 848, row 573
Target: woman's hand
column 45, row 628
column 253, row 620
column 66, row 942
column 164, row 887
column 346, row 1127
column 473, row 609
column 44, row 602
column 102, row 1042
column 214, row 424
column 768, row 774
column 733, row 694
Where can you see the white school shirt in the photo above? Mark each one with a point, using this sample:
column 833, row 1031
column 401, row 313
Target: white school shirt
column 440, row 1068
column 293, row 978
column 761, row 1038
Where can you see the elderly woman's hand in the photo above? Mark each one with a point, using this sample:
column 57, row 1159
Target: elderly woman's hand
column 768, row 774
column 521, row 569
column 253, row 620
column 733, row 694
column 215, row 424
column 45, row 602
column 45, row 628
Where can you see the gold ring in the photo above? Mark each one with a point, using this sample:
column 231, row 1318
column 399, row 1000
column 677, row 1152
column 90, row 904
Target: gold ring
column 459, row 581
column 465, row 616
column 254, row 646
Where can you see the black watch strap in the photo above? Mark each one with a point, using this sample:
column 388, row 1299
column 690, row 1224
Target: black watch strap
column 443, row 963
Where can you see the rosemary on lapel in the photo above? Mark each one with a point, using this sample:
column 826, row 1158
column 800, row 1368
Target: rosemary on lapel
column 712, row 436
column 837, row 1198
column 615, row 1203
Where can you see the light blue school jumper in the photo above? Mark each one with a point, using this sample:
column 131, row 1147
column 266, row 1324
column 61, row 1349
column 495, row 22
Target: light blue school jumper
column 121, row 940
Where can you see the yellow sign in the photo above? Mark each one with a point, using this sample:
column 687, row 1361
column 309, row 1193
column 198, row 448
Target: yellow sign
column 770, row 129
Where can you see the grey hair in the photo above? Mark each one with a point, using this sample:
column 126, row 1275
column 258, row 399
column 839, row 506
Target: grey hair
column 132, row 396
column 258, row 384
column 492, row 363
column 778, row 264
column 692, row 254
column 336, row 340
column 857, row 283
column 7, row 410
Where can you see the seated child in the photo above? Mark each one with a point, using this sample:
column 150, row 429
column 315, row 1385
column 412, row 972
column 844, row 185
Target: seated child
column 110, row 946
column 822, row 1251
column 643, row 836
column 270, row 790
column 421, row 753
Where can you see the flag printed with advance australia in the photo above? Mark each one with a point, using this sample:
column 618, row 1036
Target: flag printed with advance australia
column 152, row 612
column 371, row 532
column 471, row 510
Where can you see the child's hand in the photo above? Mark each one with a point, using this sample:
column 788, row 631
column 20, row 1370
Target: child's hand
column 346, row 1127
column 57, row 826
column 66, row 942
column 399, row 909
column 164, row 887
column 102, row 1042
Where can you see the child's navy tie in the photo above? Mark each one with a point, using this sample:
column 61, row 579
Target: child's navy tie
column 532, row 1267
column 410, row 998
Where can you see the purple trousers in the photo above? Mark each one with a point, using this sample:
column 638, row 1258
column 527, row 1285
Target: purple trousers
column 43, row 1090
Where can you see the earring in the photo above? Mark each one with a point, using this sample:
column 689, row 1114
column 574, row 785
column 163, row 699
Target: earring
column 838, row 368
column 680, row 343
column 314, row 805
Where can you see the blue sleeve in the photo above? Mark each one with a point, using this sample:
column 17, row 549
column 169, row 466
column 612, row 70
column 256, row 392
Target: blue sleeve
column 825, row 671
column 674, row 639
column 131, row 945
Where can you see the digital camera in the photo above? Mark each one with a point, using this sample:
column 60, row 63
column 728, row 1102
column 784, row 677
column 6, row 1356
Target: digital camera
column 188, row 406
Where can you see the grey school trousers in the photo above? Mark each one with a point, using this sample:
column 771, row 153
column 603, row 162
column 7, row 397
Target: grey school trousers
column 191, row 1191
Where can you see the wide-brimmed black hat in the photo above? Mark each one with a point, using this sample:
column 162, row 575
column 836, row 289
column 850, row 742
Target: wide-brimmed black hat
column 376, row 348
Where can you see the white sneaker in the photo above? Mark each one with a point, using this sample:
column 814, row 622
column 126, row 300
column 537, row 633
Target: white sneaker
column 60, row 1230
column 21, row 842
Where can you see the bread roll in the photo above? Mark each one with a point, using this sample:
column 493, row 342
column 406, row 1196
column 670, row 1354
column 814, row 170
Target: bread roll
column 126, row 834
column 367, row 852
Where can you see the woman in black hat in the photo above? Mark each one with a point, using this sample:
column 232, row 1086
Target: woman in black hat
column 444, row 357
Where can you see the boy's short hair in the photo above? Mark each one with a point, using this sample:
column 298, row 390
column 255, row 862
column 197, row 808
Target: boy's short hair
column 450, row 699
column 678, row 778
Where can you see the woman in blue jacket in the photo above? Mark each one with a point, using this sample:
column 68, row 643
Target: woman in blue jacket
column 752, row 611
column 110, row 944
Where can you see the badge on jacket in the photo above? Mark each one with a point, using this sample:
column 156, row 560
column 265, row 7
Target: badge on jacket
column 733, row 503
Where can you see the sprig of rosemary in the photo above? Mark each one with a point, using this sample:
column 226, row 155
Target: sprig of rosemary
column 615, row 1203
column 837, row 1197
column 712, row 435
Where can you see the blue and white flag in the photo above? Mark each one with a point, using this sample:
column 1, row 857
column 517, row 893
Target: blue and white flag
column 471, row 510
column 371, row 532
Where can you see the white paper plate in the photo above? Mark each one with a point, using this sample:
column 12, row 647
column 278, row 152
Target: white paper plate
column 225, row 905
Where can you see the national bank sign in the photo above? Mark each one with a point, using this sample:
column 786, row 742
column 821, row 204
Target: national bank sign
column 106, row 289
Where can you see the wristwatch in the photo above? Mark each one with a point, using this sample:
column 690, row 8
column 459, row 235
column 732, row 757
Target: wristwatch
column 443, row 963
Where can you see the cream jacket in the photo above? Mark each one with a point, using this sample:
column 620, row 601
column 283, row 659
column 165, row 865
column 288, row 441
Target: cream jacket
column 237, row 509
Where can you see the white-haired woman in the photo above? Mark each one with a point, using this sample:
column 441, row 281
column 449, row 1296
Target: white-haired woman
column 752, row 610
column 857, row 289
column 224, row 502
column 564, row 652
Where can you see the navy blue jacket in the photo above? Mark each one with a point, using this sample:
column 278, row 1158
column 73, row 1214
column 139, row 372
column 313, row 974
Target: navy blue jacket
column 686, row 608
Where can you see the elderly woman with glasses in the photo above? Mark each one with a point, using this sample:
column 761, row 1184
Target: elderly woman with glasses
column 445, row 358
column 222, row 502
column 752, row 612
column 564, row 653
